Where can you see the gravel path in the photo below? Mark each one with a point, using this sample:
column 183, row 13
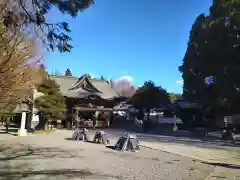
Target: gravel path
column 181, row 138
column 52, row 156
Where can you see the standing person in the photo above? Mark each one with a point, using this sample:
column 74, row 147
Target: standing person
column 77, row 121
column 106, row 117
column 95, row 116
column 141, row 117
column 7, row 123
column 111, row 118
column 225, row 128
column 230, row 134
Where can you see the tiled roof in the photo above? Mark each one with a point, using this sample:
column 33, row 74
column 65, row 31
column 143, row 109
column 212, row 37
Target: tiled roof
column 72, row 87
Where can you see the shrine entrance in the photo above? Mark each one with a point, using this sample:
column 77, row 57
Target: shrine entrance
column 92, row 117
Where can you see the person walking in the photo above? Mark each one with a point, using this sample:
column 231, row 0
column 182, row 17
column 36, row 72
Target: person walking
column 7, row 123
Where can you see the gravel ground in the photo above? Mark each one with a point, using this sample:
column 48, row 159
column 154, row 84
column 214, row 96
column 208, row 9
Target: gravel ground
column 53, row 156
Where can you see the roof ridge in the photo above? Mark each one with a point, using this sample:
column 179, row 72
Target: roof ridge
column 99, row 80
column 79, row 81
column 76, row 77
column 64, row 77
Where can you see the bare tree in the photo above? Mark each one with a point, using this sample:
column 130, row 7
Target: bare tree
column 19, row 69
column 128, row 92
column 123, row 87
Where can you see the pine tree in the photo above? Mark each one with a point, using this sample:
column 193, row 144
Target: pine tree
column 68, row 72
column 32, row 14
column 211, row 66
column 51, row 105
column 150, row 96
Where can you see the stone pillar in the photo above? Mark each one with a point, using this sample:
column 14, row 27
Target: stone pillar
column 22, row 131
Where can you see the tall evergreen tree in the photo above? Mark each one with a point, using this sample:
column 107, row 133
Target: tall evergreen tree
column 68, row 72
column 51, row 105
column 211, row 66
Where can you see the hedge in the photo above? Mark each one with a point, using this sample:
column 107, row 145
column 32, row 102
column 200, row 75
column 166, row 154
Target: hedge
column 44, row 131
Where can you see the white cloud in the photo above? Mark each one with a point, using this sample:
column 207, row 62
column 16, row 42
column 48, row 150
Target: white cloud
column 139, row 86
column 179, row 82
column 122, row 83
column 128, row 78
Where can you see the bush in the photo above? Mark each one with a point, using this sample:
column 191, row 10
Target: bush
column 162, row 126
column 44, row 131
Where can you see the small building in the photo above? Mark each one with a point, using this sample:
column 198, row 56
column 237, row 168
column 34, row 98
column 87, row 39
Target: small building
column 85, row 91
column 188, row 112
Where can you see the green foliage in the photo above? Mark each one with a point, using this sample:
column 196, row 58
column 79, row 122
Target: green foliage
column 44, row 131
column 89, row 76
column 163, row 126
column 211, row 66
column 150, row 96
column 52, row 103
column 34, row 12
column 174, row 96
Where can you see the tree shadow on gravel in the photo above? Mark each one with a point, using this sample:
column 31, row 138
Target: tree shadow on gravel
column 180, row 137
column 130, row 155
column 25, row 152
column 111, row 147
column 225, row 165
column 60, row 174
column 21, row 162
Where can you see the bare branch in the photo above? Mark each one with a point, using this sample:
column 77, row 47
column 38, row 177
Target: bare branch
column 19, row 65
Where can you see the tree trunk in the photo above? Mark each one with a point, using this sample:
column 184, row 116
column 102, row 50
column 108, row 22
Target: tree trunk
column 6, row 127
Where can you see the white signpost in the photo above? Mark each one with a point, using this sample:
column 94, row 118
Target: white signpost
column 22, row 131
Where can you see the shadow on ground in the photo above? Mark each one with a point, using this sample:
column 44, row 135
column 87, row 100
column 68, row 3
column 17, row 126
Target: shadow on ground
column 111, row 147
column 85, row 141
column 17, row 162
column 181, row 137
column 225, row 165
column 25, row 152
column 201, row 142
column 12, row 129
column 53, row 174
column 70, row 139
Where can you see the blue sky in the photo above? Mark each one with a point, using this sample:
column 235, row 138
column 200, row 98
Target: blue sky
column 139, row 39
